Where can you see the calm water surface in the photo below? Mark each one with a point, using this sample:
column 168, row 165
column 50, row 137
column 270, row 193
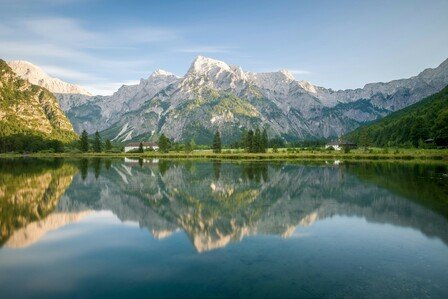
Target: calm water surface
column 116, row 228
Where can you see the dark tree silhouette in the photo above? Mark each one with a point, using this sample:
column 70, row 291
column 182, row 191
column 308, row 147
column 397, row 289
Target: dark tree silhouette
column 140, row 148
column 84, row 141
column 108, row 145
column 264, row 141
column 216, row 146
column 97, row 143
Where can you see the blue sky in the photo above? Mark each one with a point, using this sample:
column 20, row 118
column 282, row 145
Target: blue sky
column 101, row 44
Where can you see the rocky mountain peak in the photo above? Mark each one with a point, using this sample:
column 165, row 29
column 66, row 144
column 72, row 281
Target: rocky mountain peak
column 161, row 73
column 35, row 75
column 204, row 65
column 287, row 74
column 214, row 95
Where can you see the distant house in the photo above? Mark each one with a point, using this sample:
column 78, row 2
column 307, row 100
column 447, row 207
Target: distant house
column 136, row 145
column 339, row 145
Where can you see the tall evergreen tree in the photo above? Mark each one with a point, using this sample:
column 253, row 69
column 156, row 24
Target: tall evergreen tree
column 250, row 141
column 257, row 141
column 264, row 141
column 84, row 141
column 243, row 140
column 216, row 146
column 140, row 148
column 164, row 144
column 97, row 144
column 108, row 145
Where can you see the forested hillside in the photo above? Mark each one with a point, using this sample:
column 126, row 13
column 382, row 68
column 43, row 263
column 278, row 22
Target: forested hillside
column 30, row 116
column 411, row 126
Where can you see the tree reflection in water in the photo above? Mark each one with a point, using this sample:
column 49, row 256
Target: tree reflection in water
column 216, row 202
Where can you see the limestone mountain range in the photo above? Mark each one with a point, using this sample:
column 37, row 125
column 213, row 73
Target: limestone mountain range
column 213, row 95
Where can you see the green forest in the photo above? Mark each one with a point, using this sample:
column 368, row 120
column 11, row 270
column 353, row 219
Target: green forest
column 420, row 125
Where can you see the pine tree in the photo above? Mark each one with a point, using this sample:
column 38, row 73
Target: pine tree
column 216, row 146
column 84, row 141
column 140, row 148
column 108, row 145
column 97, row 144
column 250, row 141
column 257, row 141
column 264, row 141
column 164, row 144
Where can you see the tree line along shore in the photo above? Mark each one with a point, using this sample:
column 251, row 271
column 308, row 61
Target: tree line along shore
column 252, row 145
column 280, row 154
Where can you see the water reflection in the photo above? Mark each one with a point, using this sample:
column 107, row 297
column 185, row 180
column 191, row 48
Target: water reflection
column 217, row 203
column 30, row 191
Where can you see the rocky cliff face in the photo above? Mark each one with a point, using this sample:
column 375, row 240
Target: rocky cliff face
column 30, row 109
column 214, row 95
column 102, row 112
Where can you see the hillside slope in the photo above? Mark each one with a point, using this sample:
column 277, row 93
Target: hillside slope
column 409, row 126
column 30, row 110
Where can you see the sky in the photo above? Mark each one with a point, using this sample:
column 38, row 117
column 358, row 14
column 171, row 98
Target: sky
column 102, row 44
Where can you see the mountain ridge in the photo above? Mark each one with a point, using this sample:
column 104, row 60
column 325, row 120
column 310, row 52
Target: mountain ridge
column 214, row 95
column 35, row 75
column 213, row 98
column 411, row 126
column 29, row 111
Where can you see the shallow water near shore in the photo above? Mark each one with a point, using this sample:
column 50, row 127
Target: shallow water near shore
column 112, row 228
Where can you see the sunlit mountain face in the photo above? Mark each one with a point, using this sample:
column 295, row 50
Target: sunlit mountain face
column 188, row 221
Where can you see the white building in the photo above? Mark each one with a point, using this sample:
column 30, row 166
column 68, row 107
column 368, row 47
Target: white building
column 339, row 145
column 136, row 145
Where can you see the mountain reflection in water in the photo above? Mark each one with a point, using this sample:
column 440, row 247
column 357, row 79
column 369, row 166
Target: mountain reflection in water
column 216, row 203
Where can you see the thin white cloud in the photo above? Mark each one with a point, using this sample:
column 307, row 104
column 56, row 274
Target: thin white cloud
column 69, row 74
column 71, row 32
column 68, row 49
column 21, row 49
column 205, row 49
column 292, row 71
column 107, row 88
column 300, row 72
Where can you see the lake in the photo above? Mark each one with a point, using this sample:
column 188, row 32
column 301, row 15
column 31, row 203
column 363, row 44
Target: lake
column 103, row 228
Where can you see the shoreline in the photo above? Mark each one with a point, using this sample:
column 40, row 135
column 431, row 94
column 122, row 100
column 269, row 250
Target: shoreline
column 421, row 155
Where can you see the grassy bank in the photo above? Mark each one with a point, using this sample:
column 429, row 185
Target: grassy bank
column 282, row 154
